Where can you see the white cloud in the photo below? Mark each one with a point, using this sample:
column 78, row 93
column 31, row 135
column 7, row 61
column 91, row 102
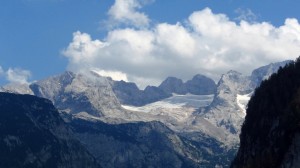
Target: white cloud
column 176, row 39
column 126, row 12
column 207, row 43
column 83, row 50
column 16, row 75
column 245, row 15
column 115, row 75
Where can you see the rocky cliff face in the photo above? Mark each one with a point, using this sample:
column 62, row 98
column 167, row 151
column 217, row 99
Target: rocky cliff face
column 32, row 134
column 270, row 133
column 224, row 110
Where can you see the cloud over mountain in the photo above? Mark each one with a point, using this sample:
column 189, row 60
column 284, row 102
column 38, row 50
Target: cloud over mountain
column 15, row 75
column 205, row 43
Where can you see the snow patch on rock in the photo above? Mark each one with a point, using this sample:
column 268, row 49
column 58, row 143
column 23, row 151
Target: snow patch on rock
column 242, row 101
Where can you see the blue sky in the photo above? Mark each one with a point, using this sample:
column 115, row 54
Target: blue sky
column 35, row 34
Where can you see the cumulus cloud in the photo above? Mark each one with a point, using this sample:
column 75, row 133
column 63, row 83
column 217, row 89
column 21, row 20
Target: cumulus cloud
column 127, row 12
column 17, row 75
column 205, row 43
column 115, row 75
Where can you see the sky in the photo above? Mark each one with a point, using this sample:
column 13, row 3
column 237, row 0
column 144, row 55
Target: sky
column 144, row 41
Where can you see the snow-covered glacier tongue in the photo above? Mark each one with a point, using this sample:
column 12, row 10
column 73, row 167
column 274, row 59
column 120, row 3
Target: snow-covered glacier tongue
column 177, row 111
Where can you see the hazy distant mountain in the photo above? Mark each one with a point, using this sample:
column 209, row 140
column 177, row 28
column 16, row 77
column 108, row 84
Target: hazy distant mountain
column 33, row 135
column 128, row 93
column 270, row 134
column 264, row 72
column 199, row 85
column 173, row 85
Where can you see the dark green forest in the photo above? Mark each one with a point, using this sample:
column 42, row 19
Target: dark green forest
column 272, row 120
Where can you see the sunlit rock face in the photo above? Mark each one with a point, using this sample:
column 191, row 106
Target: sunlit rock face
column 83, row 92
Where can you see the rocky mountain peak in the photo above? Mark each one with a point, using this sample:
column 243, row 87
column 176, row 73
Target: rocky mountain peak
column 233, row 89
column 266, row 71
column 234, row 82
column 82, row 92
column 173, row 85
column 201, row 85
column 18, row 88
column 224, row 110
column 172, row 79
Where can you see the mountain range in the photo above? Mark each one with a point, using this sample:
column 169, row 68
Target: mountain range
column 177, row 124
